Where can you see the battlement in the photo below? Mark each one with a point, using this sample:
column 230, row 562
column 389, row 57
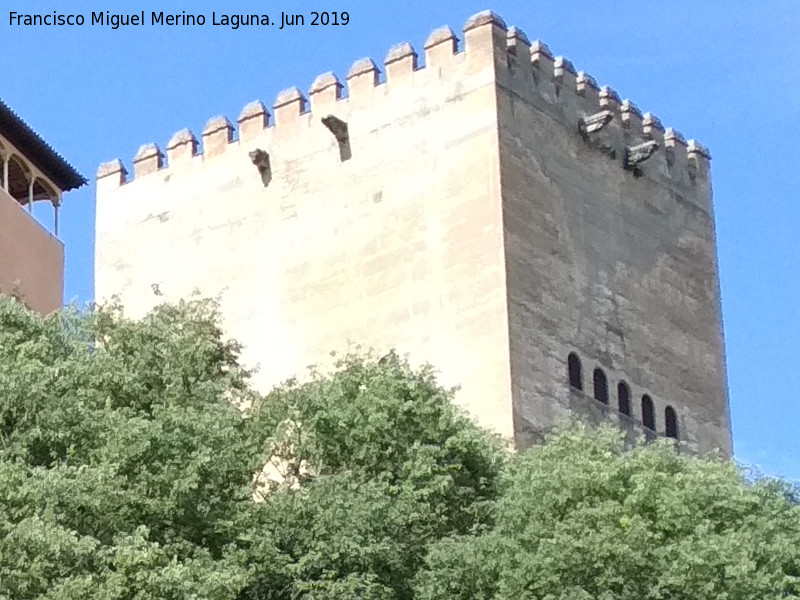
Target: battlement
column 529, row 70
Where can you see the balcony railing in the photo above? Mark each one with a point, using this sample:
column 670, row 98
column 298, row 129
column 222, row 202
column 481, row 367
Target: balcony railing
column 43, row 212
column 31, row 257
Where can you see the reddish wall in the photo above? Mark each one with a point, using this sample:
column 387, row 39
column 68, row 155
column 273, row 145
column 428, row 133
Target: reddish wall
column 30, row 255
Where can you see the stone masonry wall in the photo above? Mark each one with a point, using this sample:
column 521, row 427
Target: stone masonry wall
column 612, row 259
column 488, row 213
column 400, row 245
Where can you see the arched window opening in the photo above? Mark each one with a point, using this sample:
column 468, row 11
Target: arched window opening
column 18, row 179
column 624, row 398
column 648, row 413
column 43, row 191
column 671, row 422
column 574, row 369
column 600, row 386
column 45, row 212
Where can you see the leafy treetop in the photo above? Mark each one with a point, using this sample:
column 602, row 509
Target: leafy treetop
column 136, row 463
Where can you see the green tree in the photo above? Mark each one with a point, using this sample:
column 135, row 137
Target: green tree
column 137, row 464
column 128, row 451
column 390, row 466
column 122, row 465
column 583, row 517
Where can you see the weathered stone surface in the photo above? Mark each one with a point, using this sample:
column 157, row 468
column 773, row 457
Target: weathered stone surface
column 148, row 159
column 440, row 36
column 618, row 268
column 473, row 228
column 217, row 134
column 325, row 81
column 596, row 122
column 337, row 127
column 112, row 167
column 181, row 147
column 486, row 17
column 253, row 120
column 253, row 110
column 289, row 96
column 399, row 52
column 361, row 67
column 260, row 158
column 639, row 153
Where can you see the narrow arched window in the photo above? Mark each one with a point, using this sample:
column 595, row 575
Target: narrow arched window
column 671, row 422
column 648, row 413
column 600, row 386
column 574, row 369
column 624, row 398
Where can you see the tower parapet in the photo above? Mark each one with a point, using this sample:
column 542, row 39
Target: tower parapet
column 148, row 159
column 528, row 68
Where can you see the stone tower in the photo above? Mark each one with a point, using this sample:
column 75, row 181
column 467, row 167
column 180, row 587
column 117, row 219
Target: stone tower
column 543, row 244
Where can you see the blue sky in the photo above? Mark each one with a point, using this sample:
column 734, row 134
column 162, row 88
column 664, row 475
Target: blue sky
column 723, row 72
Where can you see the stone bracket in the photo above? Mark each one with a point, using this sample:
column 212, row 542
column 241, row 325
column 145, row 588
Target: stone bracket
column 340, row 131
column 634, row 155
column 596, row 122
column 260, row 158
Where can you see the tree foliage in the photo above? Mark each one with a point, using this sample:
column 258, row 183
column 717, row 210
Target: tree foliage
column 136, row 463
column 128, row 451
column 585, row 517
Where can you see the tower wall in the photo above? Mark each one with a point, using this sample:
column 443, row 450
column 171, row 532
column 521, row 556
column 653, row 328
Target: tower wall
column 489, row 213
column 398, row 246
column 612, row 259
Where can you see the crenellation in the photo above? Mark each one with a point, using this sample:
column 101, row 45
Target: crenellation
column 674, row 137
column 588, row 91
column 253, row 120
column 325, row 92
column 111, row 174
column 586, row 84
column 564, row 73
column 518, row 43
column 289, row 105
column 148, row 159
column 400, row 62
column 632, row 121
column 485, row 36
column 653, row 131
column 652, row 128
column 530, row 68
column 543, row 70
column 520, row 72
column 539, row 51
column 695, row 147
column 699, row 159
column 362, row 79
column 565, row 78
column 181, row 148
column 614, row 140
column 609, row 100
column 486, row 17
column 440, row 48
column 676, row 153
column 217, row 134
